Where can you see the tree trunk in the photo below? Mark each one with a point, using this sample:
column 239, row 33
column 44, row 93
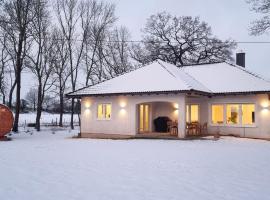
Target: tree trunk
column 39, row 107
column 61, row 109
column 11, row 95
column 4, row 99
column 18, row 83
column 35, row 105
column 72, row 114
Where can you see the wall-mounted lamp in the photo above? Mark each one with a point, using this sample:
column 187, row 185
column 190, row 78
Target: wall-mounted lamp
column 123, row 104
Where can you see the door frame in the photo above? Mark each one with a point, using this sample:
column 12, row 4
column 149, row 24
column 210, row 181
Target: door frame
column 139, row 117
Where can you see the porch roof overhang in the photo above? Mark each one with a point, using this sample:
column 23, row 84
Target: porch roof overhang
column 71, row 95
column 188, row 92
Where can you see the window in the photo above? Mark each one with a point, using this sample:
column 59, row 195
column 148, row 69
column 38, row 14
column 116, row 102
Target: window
column 187, row 113
column 235, row 114
column 232, row 114
column 104, row 111
column 192, row 113
column 217, row 114
column 248, row 114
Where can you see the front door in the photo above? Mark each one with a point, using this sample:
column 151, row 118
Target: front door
column 144, row 111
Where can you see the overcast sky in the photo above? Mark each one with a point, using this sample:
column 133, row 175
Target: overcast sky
column 228, row 19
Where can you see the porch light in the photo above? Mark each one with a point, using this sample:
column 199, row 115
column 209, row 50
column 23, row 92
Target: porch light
column 265, row 104
column 87, row 104
column 176, row 106
column 123, row 104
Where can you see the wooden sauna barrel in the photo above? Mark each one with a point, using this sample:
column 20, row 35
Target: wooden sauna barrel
column 6, row 120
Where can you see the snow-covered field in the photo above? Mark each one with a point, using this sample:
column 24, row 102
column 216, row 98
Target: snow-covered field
column 26, row 118
column 48, row 166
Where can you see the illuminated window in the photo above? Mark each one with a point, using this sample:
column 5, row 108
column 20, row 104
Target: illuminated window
column 217, row 114
column 248, row 114
column 104, row 111
column 187, row 113
column 232, row 113
column 192, row 113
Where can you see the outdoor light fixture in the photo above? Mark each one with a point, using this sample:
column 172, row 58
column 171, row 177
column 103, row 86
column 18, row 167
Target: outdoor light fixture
column 123, row 104
column 176, row 106
column 87, row 104
column 265, row 104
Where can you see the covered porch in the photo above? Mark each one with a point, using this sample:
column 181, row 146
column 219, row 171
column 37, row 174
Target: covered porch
column 172, row 119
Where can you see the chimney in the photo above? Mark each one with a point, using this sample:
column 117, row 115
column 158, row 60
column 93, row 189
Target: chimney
column 241, row 59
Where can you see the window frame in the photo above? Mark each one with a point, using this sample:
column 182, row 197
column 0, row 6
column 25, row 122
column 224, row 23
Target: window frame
column 211, row 114
column 240, row 124
column 189, row 112
column 103, row 118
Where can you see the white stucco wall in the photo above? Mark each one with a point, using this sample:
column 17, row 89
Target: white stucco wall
column 124, row 119
column 261, row 129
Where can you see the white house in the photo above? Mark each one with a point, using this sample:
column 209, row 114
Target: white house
column 228, row 97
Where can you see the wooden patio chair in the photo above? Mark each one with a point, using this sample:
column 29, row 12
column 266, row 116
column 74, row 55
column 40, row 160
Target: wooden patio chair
column 204, row 128
column 169, row 126
column 174, row 128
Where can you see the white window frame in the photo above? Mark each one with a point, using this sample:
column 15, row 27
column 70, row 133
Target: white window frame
column 104, row 118
column 225, row 124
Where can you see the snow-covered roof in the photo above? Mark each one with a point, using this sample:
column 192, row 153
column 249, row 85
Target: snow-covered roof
column 160, row 76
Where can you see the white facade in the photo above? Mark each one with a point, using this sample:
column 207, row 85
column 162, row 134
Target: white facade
column 124, row 116
column 167, row 90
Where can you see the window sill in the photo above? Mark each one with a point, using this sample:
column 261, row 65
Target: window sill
column 103, row 119
column 234, row 126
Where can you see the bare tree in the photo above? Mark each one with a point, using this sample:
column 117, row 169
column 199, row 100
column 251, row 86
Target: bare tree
column 82, row 24
column 41, row 58
column 4, row 61
column 99, row 17
column 16, row 17
column 31, row 97
column 261, row 25
column 116, row 53
column 68, row 17
column 181, row 40
column 62, row 71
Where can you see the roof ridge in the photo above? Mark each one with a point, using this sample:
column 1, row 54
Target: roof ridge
column 199, row 64
column 196, row 80
column 247, row 71
column 189, row 86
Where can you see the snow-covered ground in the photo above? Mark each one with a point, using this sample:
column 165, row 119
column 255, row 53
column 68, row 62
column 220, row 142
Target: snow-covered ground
column 26, row 118
column 47, row 166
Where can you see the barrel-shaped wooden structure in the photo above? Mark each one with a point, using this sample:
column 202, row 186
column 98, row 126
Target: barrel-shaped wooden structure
column 6, row 120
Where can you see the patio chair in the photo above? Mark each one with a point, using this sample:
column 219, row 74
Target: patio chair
column 174, row 129
column 204, row 128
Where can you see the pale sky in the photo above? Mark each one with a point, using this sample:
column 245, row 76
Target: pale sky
column 228, row 19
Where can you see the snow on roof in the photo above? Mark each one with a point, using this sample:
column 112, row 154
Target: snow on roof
column 160, row 76
column 227, row 78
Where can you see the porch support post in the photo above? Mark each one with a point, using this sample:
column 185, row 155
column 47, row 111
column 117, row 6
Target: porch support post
column 182, row 116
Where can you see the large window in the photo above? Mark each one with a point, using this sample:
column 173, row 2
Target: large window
column 217, row 114
column 235, row 114
column 104, row 111
column 192, row 113
column 248, row 114
column 232, row 114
